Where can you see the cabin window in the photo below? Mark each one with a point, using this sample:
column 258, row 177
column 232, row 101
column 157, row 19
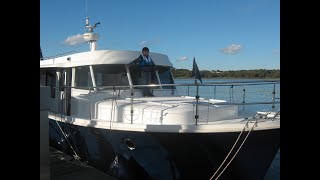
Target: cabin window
column 110, row 75
column 51, row 81
column 64, row 78
column 43, row 77
column 49, row 77
column 165, row 75
column 61, row 79
column 139, row 77
column 83, row 77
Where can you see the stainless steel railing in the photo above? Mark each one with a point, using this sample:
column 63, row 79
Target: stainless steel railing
column 198, row 91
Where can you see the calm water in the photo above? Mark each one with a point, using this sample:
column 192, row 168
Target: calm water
column 253, row 93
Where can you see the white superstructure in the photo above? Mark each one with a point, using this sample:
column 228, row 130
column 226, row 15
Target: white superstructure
column 101, row 88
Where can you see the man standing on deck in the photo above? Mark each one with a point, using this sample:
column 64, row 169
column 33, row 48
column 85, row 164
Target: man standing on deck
column 146, row 67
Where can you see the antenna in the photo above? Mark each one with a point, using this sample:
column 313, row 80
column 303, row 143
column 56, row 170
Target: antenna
column 89, row 36
column 89, row 27
column 87, row 21
column 86, row 7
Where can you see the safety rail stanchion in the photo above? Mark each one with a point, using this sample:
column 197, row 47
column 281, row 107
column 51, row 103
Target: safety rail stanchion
column 273, row 96
column 112, row 105
column 243, row 98
column 131, row 107
column 197, row 101
column 90, row 103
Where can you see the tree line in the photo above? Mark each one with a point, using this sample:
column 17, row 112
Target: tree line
column 256, row 73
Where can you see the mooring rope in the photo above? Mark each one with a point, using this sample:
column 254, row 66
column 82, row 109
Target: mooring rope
column 75, row 154
column 232, row 150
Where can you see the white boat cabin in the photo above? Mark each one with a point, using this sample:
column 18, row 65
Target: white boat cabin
column 97, row 85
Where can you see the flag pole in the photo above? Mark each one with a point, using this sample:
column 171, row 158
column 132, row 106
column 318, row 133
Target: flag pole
column 197, row 93
column 195, row 71
column 195, row 79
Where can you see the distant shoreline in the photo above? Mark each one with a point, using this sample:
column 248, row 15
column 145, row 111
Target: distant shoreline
column 238, row 74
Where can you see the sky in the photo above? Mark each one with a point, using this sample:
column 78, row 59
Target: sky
column 219, row 34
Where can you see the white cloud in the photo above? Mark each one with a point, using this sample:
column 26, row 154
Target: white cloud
column 150, row 42
column 232, row 49
column 74, row 40
column 183, row 58
column 144, row 43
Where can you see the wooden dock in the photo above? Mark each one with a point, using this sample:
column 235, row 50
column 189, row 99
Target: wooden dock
column 63, row 168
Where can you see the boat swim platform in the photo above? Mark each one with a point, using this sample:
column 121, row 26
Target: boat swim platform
column 64, row 167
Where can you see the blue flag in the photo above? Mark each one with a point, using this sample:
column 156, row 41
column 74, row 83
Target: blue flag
column 195, row 70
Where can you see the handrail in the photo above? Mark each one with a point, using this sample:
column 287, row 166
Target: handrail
column 247, row 103
column 59, row 55
column 239, row 83
column 196, row 91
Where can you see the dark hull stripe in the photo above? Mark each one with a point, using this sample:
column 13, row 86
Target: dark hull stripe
column 159, row 155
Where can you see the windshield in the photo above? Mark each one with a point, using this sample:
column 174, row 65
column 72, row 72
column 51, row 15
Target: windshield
column 110, row 75
column 138, row 76
column 165, row 76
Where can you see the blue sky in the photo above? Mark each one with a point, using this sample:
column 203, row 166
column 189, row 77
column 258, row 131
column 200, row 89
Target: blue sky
column 220, row 34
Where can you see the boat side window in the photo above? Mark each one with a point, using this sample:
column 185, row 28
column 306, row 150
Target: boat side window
column 110, row 75
column 51, row 81
column 43, row 73
column 82, row 77
column 61, row 80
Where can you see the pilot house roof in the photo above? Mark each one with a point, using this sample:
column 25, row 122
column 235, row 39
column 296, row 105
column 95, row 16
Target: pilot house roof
column 102, row 57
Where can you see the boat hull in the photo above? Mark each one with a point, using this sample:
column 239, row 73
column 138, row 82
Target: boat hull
column 163, row 155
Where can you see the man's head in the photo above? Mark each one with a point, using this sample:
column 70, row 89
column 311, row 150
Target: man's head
column 145, row 51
